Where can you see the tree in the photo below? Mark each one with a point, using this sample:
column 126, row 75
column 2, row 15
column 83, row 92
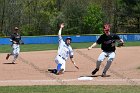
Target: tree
column 129, row 16
column 73, row 11
column 93, row 20
column 39, row 14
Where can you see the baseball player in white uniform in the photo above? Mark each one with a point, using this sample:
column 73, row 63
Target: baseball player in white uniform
column 64, row 52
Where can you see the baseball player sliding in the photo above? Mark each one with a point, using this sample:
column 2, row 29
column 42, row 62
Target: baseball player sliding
column 64, row 51
column 16, row 41
column 107, row 41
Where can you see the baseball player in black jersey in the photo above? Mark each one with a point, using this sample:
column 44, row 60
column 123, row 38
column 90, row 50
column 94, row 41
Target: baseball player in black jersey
column 107, row 41
column 16, row 41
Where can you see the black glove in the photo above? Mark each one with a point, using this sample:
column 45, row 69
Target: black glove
column 120, row 44
column 21, row 42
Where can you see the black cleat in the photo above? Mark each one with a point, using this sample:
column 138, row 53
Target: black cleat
column 52, row 71
column 7, row 57
column 104, row 75
column 55, row 71
column 94, row 71
column 60, row 72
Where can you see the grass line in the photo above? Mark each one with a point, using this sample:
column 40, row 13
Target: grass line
column 42, row 47
column 71, row 89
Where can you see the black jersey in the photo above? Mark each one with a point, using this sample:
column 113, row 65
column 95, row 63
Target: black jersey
column 108, row 42
column 15, row 37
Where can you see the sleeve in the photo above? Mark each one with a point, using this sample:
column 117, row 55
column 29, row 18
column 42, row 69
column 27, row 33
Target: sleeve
column 116, row 37
column 11, row 38
column 100, row 40
column 60, row 39
column 71, row 53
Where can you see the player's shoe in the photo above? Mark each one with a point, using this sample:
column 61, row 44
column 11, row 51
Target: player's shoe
column 52, row 71
column 13, row 62
column 94, row 71
column 104, row 75
column 60, row 72
column 7, row 57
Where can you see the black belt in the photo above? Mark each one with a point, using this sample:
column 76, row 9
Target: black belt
column 62, row 57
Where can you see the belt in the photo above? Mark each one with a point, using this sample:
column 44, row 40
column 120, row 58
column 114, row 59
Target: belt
column 62, row 57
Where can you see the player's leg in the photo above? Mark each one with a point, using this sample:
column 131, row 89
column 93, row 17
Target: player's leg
column 98, row 63
column 111, row 56
column 63, row 66
column 57, row 61
column 60, row 65
column 16, row 51
column 8, row 55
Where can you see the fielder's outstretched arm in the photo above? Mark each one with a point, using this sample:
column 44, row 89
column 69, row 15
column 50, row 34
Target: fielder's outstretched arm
column 93, row 45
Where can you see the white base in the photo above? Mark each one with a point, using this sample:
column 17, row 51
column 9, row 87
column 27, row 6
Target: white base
column 85, row 78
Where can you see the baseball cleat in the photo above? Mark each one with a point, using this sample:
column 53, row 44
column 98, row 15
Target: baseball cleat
column 13, row 63
column 52, row 71
column 104, row 75
column 94, row 71
column 7, row 57
column 60, row 72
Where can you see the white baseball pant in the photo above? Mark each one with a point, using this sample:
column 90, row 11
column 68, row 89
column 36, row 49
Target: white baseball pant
column 60, row 63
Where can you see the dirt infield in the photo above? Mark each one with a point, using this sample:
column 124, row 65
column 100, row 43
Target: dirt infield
column 32, row 68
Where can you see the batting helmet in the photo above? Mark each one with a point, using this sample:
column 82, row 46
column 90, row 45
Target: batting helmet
column 69, row 38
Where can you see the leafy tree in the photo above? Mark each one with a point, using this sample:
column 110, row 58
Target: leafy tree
column 93, row 20
column 73, row 11
column 39, row 14
column 129, row 15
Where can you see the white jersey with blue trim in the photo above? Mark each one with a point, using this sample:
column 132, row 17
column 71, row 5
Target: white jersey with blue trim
column 64, row 50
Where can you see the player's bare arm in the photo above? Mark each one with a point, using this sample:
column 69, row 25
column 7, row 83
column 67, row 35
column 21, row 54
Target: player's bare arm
column 92, row 46
column 13, row 42
column 74, row 63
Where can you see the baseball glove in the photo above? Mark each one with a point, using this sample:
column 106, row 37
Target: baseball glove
column 120, row 44
column 21, row 42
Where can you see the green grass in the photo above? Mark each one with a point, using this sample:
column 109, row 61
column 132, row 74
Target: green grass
column 71, row 89
column 42, row 47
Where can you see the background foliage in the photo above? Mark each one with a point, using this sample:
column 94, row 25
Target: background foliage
column 42, row 17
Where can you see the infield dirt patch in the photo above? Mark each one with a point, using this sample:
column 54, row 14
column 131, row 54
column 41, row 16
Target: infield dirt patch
column 31, row 68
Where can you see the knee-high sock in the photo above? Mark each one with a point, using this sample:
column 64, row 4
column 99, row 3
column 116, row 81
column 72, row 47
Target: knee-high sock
column 108, row 64
column 98, row 63
column 59, row 67
column 15, row 57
